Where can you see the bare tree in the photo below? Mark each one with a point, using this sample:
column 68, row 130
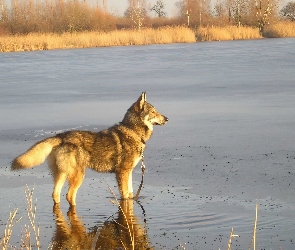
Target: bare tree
column 238, row 10
column 221, row 13
column 137, row 12
column 264, row 11
column 194, row 12
column 246, row 12
column 289, row 11
column 159, row 9
column 3, row 11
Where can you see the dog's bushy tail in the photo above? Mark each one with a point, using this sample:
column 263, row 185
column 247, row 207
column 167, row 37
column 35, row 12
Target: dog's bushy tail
column 36, row 154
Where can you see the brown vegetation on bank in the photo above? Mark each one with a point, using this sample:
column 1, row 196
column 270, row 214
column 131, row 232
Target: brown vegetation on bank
column 36, row 41
column 145, row 36
column 226, row 33
column 231, row 32
column 60, row 16
column 27, row 25
column 279, row 29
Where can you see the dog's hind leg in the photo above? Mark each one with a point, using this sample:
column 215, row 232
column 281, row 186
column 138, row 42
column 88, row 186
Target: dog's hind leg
column 59, row 180
column 75, row 181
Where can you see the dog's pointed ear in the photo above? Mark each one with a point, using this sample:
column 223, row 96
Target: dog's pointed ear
column 140, row 102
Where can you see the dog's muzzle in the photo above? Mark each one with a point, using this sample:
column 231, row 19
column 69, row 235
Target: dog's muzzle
column 165, row 119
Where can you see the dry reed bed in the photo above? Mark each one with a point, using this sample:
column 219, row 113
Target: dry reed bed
column 38, row 41
column 281, row 29
column 164, row 35
column 227, row 33
column 215, row 33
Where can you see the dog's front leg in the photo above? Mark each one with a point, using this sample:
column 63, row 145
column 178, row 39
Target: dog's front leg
column 130, row 186
column 123, row 183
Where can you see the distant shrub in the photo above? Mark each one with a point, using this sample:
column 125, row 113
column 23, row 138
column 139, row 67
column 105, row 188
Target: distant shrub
column 54, row 16
column 279, row 29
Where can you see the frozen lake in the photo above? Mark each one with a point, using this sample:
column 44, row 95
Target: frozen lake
column 228, row 145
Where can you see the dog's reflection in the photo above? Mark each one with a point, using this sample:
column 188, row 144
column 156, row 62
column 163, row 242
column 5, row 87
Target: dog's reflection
column 123, row 232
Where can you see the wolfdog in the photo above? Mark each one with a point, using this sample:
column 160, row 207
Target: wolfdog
column 117, row 149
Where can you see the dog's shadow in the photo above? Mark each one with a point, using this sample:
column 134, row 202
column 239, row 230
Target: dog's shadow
column 123, row 231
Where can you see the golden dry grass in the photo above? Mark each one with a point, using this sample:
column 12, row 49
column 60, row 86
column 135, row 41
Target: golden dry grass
column 280, row 29
column 226, row 33
column 36, row 41
column 29, row 231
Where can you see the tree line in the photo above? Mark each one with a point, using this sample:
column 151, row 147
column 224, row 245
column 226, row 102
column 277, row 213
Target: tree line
column 58, row 16
column 229, row 12
column 25, row 16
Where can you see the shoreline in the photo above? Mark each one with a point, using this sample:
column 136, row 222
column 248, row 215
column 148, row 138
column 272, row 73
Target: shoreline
column 49, row 41
column 145, row 36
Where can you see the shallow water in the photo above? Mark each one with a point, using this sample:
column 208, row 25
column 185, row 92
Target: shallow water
column 228, row 145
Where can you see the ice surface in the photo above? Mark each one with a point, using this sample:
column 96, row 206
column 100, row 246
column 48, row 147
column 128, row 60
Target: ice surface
column 229, row 142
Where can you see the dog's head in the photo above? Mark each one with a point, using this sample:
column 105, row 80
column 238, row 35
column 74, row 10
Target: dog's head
column 148, row 113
